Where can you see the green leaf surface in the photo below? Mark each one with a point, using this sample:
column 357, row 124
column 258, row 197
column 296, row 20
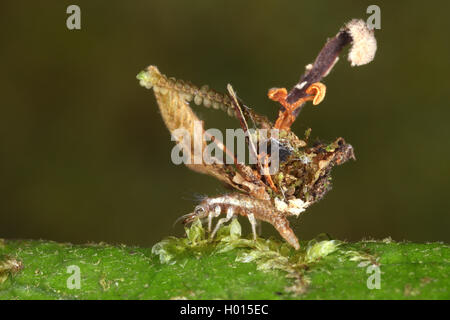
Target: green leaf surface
column 230, row 267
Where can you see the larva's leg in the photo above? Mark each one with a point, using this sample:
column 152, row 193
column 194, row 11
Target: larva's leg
column 258, row 227
column 252, row 220
column 211, row 215
column 230, row 214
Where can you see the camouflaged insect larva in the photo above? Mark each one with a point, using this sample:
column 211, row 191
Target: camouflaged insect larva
column 304, row 171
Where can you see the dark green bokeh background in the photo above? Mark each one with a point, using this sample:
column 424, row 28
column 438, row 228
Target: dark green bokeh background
column 85, row 155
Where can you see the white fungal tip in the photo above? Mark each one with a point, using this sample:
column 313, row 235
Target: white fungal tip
column 364, row 43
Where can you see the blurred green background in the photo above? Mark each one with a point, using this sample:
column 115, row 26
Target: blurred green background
column 85, row 155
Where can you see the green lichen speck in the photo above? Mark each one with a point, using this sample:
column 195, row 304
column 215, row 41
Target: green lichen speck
column 228, row 267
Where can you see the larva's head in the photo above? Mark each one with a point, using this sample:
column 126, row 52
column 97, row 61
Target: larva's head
column 200, row 211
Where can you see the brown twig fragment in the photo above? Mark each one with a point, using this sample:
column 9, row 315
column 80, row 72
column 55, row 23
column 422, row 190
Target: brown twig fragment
column 363, row 50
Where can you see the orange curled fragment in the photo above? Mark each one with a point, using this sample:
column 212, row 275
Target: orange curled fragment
column 316, row 94
column 317, row 91
column 266, row 171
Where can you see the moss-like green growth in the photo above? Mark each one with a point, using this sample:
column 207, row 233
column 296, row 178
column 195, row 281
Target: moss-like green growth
column 267, row 254
column 228, row 267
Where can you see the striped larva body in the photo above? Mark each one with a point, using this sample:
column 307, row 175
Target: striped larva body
column 232, row 205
